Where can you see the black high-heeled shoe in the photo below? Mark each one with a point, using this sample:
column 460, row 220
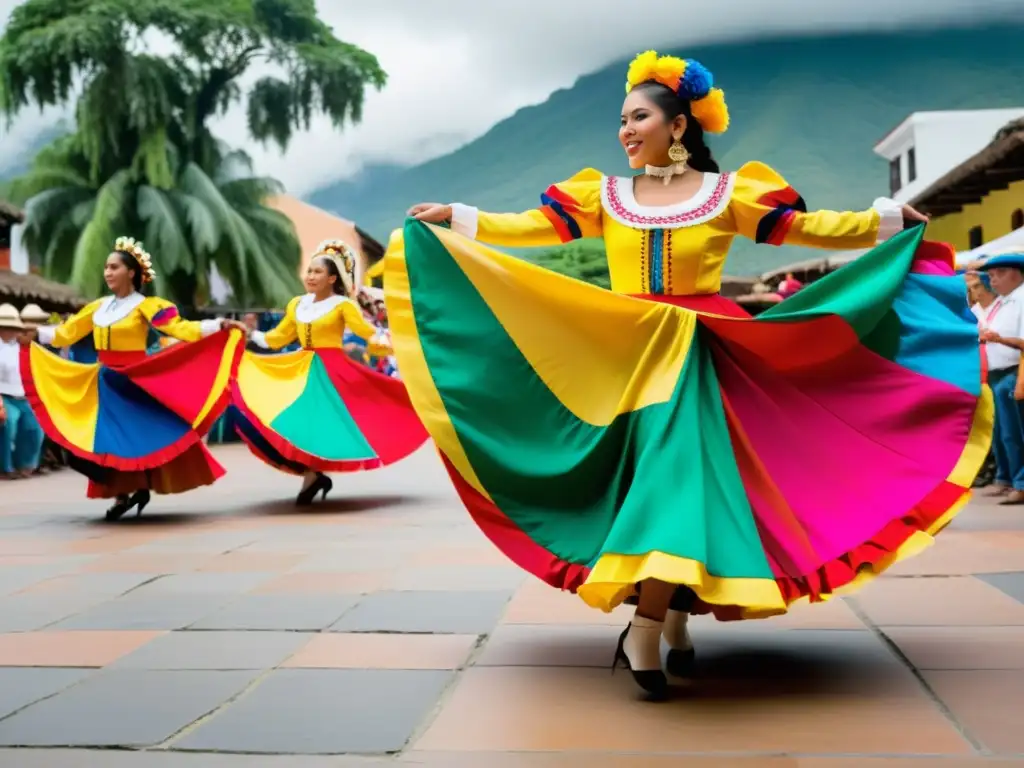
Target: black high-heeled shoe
column 322, row 485
column 139, row 499
column 653, row 681
column 117, row 511
column 681, row 664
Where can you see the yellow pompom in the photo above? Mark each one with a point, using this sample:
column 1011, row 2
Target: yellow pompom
column 647, row 66
column 711, row 111
column 640, row 68
column 668, row 70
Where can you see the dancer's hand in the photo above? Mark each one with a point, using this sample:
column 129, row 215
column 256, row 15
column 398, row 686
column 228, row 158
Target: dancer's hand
column 990, row 336
column 28, row 336
column 226, row 324
column 912, row 214
column 432, row 213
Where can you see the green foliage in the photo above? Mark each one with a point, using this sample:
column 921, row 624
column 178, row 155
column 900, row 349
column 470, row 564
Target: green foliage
column 584, row 260
column 142, row 160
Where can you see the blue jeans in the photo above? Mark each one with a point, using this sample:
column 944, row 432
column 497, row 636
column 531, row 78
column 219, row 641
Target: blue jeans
column 1008, row 437
column 22, row 437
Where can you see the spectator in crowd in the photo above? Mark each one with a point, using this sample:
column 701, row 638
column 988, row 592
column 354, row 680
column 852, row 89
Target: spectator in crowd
column 789, row 286
column 982, row 300
column 32, row 316
column 21, row 437
column 1003, row 334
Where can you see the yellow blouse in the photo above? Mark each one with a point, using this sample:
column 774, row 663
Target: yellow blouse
column 123, row 324
column 678, row 249
column 321, row 324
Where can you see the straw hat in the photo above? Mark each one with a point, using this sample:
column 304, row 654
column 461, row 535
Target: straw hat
column 32, row 313
column 9, row 317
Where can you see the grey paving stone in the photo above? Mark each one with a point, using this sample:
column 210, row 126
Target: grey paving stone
column 147, row 611
column 464, row 613
column 214, row 650
column 26, row 613
column 207, row 583
column 159, row 758
column 279, row 612
column 106, row 584
column 1010, row 583
column 20, row 686
column 14, row 578
column 300, row 711
column 126, row 708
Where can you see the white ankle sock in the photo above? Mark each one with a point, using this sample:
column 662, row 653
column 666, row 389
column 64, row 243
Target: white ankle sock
column 308, row 479
column 643, row 644
column 677, row 635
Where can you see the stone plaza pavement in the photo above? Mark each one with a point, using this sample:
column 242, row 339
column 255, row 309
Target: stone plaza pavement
column 382, row 629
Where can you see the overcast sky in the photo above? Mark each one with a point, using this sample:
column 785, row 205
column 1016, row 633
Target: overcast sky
column 456, row 67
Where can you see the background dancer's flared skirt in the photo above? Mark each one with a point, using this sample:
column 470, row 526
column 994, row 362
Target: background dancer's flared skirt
column 600, row 440
column 319, row 410
column 130, row 421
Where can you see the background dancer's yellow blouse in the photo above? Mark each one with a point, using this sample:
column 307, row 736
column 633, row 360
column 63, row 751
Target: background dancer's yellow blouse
column 678, row 249
column 123, row 324
column 321, row 324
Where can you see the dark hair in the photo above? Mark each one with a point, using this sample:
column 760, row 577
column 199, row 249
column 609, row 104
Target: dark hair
column 665, row 99
column 332, row 269
column 130, row 262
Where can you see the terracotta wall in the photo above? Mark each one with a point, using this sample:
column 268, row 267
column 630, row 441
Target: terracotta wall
column 314, row 225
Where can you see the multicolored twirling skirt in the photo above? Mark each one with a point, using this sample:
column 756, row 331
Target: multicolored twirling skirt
column 130, row 421
column 319, row 410
column 600, row 440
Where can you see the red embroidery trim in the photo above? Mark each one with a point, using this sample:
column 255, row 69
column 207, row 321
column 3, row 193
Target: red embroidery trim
column 620, row 210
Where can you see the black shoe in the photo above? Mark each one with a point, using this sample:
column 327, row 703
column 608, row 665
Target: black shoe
column 681, row 663
column 653, row 681
column 322, row 485
column 117, row 511
column 139, row 499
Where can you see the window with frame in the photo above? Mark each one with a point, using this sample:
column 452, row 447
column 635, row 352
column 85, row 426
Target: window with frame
column 975, row 237
column 895, row 181
column 911, row 165
column 1017, row 219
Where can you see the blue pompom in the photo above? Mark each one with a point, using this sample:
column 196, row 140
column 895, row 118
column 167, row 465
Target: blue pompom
column 696, row 81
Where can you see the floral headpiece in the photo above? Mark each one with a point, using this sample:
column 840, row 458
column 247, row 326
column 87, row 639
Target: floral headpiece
column 342, row 255
column 134, row 249
column 690, row 80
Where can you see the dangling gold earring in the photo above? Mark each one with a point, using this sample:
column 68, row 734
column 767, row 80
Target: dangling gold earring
column 677, row 152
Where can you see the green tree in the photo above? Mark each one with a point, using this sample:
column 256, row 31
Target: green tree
column 583, row 259
column 142, row 139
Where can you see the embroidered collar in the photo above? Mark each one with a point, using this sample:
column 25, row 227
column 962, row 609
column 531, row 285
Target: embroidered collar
column 114, row 309
column 309, row 309
column 711, row 199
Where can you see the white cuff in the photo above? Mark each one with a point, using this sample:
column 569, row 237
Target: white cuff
column 259, row 338
column 891, row 213
column 45, row 334
column 464, row 220
column 208, row 327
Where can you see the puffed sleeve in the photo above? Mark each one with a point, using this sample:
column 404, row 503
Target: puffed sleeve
column 568, row 211
column 765, row 209
column 281, row 335
column 163, row 316
column 72, row 330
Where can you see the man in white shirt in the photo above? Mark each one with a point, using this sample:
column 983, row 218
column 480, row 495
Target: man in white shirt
column 1003, row 334
column 21, row 437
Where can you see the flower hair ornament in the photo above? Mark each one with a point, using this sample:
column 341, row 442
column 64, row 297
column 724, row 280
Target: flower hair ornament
column 134, row 249
column 690, row 80
column 344, row 257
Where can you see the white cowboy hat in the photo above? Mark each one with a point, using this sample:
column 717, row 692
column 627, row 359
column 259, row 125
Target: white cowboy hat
column 32, row 313
column 9, row 317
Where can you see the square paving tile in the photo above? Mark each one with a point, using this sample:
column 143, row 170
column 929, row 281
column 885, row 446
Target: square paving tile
column 525, row 709
column 987, row 703
column 459, row 578
column 365, row 650
column 122, row 708
column 27, row 612
column 69, row 649
column 537, row 603
column 327, row 711
column 140, row 562
column 21, row 687
column 595, row 760
column 279, row 612
column 962, row 601
column 206, row 583
column 961, row 647
column 460, row 613
column 215, row 650
column 240, row 562
column 329, row 582
column 159, row 758
column 1011, row 584
column 550, row 645
column 142, row 611
column 108, row 585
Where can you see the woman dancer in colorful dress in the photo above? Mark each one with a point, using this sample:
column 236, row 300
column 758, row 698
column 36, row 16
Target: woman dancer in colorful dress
column 316, row 411
column 665, row 445
column 133, row 423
